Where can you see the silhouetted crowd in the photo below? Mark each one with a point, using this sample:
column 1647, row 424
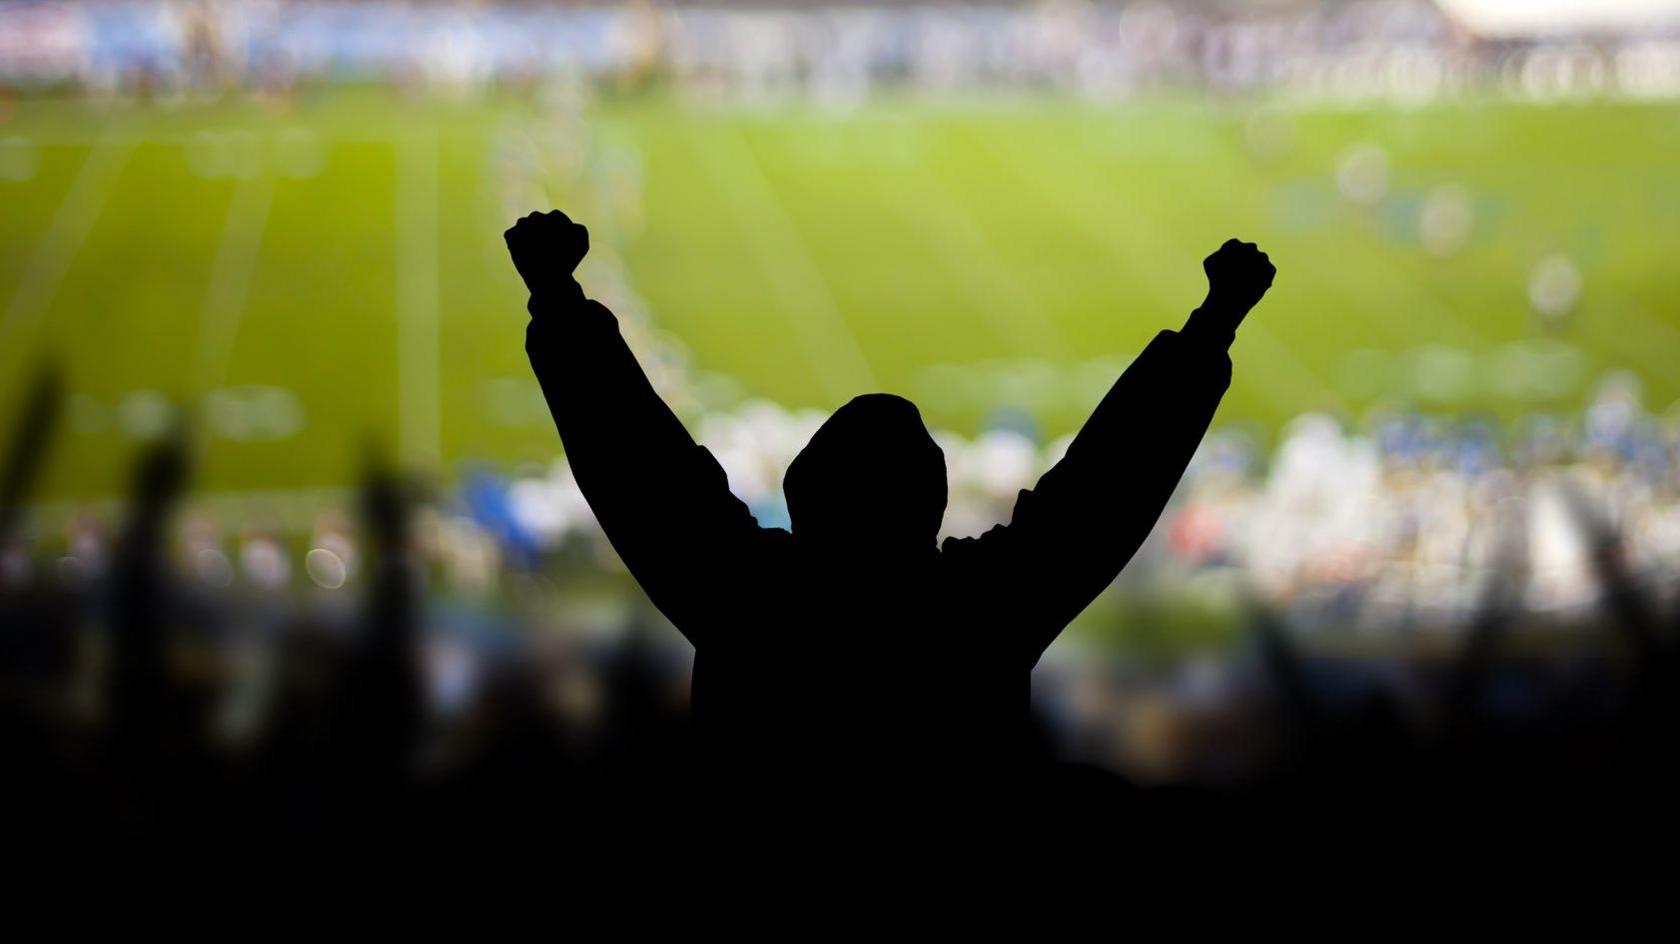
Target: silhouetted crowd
column 137, row 702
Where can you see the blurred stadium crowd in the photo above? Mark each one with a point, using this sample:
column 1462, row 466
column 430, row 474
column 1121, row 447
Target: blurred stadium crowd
column 1414, row 603
column 1359, row 50
column 1393, row 526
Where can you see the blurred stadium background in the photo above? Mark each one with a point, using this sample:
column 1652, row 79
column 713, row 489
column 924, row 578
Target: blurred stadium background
column 276, row 226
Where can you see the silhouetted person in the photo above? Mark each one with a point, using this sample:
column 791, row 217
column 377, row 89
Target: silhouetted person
column 379, row 718
column 856, row 654
column 34, row 616
column 1653, row 697
column 153, row 723
column 37, row 620
column 27, row 450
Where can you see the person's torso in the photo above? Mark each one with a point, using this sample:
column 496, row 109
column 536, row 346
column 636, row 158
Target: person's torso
column 917, row 664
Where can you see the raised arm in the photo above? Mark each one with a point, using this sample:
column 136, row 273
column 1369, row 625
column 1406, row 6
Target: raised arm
column 1072, row 533
column 663, row 501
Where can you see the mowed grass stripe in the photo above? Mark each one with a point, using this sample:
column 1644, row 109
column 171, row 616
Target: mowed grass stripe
column 830, row 347
column 419, row 426
column 230, row 278
column 844, row 182
column 481, row 301
column 30, row 204
column 973, row 263
column 52, row 258
column 697, row 264
column 1150, row 287
column 125, row 318
column 321, row 321
column 1164, row 265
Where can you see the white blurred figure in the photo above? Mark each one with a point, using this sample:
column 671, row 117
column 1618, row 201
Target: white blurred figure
column 89, row 545
column 263, row 562
column 456, row 60
column 985, row 476
column 1322, row 508
column 204, row 551
column 331, row 559
column 1445, row 222
column 1362, row 173
column 538, row 505
column 1560, row 567
column 471, row 560
column 1554, row 287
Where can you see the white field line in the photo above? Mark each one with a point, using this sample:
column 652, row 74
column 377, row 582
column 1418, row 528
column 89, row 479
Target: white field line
column 71, row 223
column 831, row 349
column 418, row 385
column 231, row 273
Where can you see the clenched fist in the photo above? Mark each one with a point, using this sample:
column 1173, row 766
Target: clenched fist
column 1238, row 276
column 546, row 249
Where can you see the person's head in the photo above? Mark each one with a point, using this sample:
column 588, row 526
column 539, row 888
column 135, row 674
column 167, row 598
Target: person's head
column 872, row 477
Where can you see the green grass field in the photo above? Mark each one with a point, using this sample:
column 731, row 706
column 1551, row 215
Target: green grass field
column 332, row 273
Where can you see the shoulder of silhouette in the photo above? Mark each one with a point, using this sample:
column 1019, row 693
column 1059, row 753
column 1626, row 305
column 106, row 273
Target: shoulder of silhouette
column 961, row 548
